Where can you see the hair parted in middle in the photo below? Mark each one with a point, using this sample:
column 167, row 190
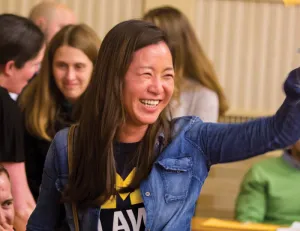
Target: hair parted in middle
column 104, row 113
column 41, row 98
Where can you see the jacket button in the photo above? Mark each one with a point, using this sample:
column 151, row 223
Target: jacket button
column 147, row 195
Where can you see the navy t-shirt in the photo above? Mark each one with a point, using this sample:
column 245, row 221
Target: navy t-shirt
column 126, row 211
column 11, row 129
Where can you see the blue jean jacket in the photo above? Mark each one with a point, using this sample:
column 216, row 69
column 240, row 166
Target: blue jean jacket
column 174, row 183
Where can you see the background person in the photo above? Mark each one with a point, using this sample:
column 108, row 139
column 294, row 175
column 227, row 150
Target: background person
column 197, row 88
column 51, row 16
column 21, row 51
column 49, row 99
column 269, row 193
column 7, row 212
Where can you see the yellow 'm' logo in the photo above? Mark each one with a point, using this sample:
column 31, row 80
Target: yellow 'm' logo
column 135, row 197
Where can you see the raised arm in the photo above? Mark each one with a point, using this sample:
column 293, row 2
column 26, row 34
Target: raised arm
column 46, row 214
column 231, row 142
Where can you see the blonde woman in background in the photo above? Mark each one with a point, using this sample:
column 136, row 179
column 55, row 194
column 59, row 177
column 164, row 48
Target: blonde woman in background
column 197, row 89
column 49, row 99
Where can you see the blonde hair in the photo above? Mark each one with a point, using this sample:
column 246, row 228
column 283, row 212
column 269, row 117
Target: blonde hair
column 41, row 98
column 190, row 59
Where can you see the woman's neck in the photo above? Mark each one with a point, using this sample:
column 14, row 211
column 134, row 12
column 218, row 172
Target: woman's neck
column 131, row 134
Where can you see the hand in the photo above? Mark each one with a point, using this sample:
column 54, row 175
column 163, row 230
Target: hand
column 6, row 227
column 292, row 85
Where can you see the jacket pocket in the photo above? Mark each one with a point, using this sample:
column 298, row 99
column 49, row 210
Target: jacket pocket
column 176, row 175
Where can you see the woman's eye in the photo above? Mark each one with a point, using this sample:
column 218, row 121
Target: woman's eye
column 61, row 65
column 79, row 66
column 169, row 76
column 7, row 204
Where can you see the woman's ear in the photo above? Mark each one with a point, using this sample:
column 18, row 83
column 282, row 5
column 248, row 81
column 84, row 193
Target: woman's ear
column 9, row 68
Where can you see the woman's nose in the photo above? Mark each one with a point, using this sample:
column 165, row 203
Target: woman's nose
column 156, row 86
column 70, row 75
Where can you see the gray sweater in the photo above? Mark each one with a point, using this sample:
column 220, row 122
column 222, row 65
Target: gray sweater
column 196, row 100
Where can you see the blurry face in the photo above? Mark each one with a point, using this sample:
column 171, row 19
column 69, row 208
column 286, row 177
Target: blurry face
column 72, row 71
column 149, row 84
column 6, row 208
column 61, row 18
column 21, row 76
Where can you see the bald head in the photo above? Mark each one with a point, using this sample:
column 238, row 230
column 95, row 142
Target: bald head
column 51, row 16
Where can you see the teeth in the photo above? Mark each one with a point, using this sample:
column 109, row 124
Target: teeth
column 150, row 102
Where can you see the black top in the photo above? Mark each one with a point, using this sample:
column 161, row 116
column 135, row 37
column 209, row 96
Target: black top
column 12, row 129
column 36, row 149
column 126, row 211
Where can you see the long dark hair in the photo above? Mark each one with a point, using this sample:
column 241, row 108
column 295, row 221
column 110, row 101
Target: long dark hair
column 93, row 178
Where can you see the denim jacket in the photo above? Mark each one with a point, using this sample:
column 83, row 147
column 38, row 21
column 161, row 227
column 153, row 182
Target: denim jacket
column 174, row 183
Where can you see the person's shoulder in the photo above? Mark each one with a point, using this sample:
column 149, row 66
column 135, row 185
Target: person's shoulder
column 4, row 95
column 62, row 133
column 11, row 113
column 266, row 165
column 195, row 85
column 267, row 162
column 184, row 123
column 3, row 91
column 264, row 171
column 61, row 139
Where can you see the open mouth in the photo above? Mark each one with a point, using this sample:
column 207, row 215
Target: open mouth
column 150, row 103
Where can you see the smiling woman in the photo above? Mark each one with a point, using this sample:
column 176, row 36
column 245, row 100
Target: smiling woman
column 72, row 70
column 131, row 168
column 148, row 88
column 49, row 99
